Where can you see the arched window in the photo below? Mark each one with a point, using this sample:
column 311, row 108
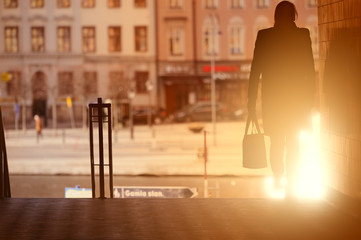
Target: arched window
column 211, row 36
column 236, row 36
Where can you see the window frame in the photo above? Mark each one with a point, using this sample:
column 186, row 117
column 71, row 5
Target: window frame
column 40, row 37
column 90, row 89
column 171, row 35
column 140, row 3
column 112, row 40
column 87, row 38
column 312, row 3
column 138, row 39
column 141, row 78
column 65, row 85
column 175, row 4
column 262, row 4
column 117, row 3
column 60, row 4
column 88, row 3
column 10, row 4
column 64, row 39
column 11, row 39
column 236, row 4
column 37, row 4
column 211, row 4
column 14, row 86
column 237, row 44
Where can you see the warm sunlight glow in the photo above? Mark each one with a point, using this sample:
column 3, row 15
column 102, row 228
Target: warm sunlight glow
column 273, row 193
column 310, row 181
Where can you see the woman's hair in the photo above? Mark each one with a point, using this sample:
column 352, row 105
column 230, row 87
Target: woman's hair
column 285, row 12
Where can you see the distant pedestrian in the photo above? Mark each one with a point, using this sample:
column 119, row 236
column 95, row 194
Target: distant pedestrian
column 283, row 61
column 38, row 127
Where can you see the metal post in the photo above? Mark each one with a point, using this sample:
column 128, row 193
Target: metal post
column 4, row 171
column 100, row 118
column 213, row 82
column 91, row 143
column 101, row 150
column 205, row 166
column 213, row 98
column 110, row 151
column 131, row 119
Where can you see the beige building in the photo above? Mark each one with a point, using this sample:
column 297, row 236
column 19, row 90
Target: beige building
column 193, row 33
column 82, row 49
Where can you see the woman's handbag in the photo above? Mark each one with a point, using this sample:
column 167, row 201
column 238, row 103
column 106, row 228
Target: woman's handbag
column 254, row 148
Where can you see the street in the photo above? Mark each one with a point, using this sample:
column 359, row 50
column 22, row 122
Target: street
column 174, row 150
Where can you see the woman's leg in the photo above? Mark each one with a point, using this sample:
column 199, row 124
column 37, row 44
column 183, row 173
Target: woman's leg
column 292, row 158
column 276, row 157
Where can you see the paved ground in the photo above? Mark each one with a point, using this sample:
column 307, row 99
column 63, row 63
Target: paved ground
column 174, row 151
column 174, row 219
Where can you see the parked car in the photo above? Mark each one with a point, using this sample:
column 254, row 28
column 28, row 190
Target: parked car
column 140, row 116
column 200, row 111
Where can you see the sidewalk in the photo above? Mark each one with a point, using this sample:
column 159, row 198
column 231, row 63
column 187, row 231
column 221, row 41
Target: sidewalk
column 174, row 219
column 174, row 150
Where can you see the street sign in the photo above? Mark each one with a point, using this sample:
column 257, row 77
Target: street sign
column 78, row 192
column 155, row 192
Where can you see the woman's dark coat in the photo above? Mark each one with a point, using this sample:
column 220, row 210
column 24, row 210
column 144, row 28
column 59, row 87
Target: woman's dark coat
column 283, row 61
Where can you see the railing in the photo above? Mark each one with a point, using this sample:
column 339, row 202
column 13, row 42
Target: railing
column 101, row 113
column 4, row 171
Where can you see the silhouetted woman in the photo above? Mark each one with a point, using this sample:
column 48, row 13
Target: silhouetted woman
column 284, row 63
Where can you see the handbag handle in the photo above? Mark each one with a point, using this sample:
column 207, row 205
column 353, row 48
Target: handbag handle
column 254, row 120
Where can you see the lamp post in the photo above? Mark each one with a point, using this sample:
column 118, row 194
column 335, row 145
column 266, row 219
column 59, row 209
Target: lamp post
column 131, row 95
column 149, row 86
column 213, row 80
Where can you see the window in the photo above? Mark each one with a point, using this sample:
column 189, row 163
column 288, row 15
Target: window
column 175, row 4
column 140, row 3
column 114, row 34
column 237, row 4
column 262, row 3
column 176, row 41
column 64, row 39
column 37, row 39
column 312, row 3
column 141, row 39
column 13, row 86
column 88, row 39
column 63, row 3
column 88, row 3
column 117, row 86
column 141, row 79
column 65, row 84
column 11, row 39
column 211, row 37
column 36, row 3
column 11, row 3
column 90, row 83
column 236, row 40
column 114, row 3
column 211, row 3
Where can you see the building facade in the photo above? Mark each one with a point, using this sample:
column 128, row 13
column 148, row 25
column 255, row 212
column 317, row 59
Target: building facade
column 194, row 34
column 54, row 50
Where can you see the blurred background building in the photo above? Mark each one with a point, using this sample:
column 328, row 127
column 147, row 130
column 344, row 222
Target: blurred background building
column 59, row 55
column 56, row 50
column 193, row 33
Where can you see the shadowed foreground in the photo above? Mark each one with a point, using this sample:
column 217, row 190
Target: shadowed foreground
column 174, row 219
